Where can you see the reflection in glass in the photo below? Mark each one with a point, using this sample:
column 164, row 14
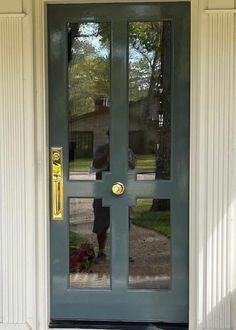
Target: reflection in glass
column 149, row 246
column 88, row 93
column 86, row 269
column 150, row 98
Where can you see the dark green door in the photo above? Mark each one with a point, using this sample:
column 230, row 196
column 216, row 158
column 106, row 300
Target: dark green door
column 119, row 137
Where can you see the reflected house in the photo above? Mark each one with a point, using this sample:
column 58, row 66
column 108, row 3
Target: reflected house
column 149, row 130
column 88, row 130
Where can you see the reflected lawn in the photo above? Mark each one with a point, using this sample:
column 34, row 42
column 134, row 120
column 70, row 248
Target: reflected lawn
column 145, row 217
column 80, row 165
column 145, row 163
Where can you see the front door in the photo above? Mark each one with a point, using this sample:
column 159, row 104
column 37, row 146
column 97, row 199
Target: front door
column 119, row 136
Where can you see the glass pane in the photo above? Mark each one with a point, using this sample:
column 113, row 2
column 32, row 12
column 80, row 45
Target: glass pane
column 149, row 246
column 150, row 98
column 88, row 94
column 88, row 229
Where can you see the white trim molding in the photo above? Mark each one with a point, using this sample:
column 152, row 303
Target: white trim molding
column 15, row 326
column 13, row 15
column 220, row 11
column 216, row 329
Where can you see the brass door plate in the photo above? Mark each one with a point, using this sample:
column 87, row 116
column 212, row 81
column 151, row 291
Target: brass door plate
column 57, row 191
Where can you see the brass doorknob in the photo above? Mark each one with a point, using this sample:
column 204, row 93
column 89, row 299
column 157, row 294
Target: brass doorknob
column 118, row 188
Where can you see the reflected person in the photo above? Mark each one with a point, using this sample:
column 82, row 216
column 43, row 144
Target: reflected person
column 101, row 162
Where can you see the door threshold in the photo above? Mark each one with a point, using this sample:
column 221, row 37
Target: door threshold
column 117, row 325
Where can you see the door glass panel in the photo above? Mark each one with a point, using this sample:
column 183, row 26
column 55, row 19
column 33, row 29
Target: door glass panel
column 149, row 245
column 88, row 94
column 150, row 98
column 86, row 269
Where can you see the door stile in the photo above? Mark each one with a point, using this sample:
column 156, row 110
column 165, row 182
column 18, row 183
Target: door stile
column 119, row 100
column 119, row 155
column 120, row 246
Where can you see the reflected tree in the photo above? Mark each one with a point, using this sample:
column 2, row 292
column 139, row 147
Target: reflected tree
column 88, row 67
column 163, row 159
column 152, row 41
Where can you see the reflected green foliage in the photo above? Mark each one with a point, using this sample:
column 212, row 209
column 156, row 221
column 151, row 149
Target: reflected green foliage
column 139, row 76
column 89, row 69
column 144, row 217
column 75, row 239
column 146, row 37
column 145, row 59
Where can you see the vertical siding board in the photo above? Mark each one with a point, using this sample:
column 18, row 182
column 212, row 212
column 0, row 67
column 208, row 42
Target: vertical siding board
column 220, row 103
column 12, row 170
column 226, row 216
